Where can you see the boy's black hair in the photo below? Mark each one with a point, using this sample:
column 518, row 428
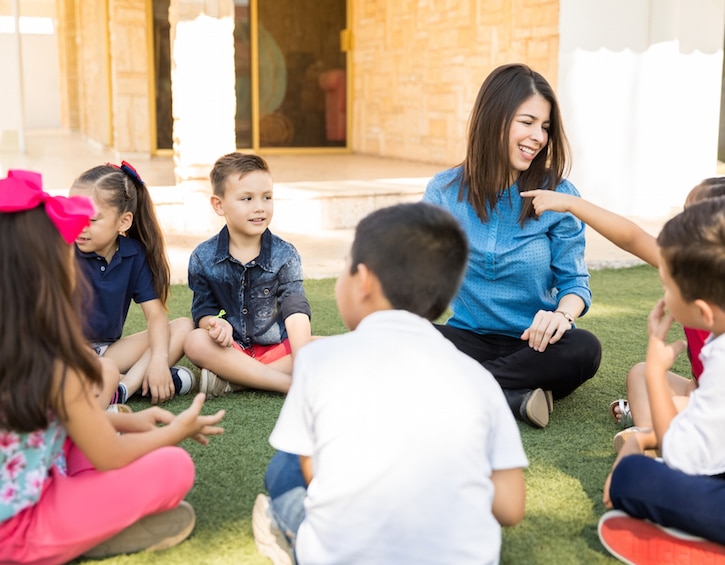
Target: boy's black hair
column 418, row 252
column 692, row 245
column 238, row 164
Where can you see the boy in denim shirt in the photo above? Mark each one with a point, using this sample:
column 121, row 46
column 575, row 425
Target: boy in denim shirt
column 249, row 306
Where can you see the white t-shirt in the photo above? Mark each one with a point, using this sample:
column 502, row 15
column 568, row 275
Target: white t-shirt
column 695, row 443
column 404, row 431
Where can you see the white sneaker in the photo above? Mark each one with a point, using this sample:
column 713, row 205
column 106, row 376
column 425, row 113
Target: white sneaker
column 184, row 379
column 269, row 539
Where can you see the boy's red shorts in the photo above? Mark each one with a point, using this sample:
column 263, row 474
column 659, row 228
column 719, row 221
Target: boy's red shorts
column 266, row 353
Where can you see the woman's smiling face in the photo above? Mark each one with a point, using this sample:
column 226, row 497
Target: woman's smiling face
column 529, row 132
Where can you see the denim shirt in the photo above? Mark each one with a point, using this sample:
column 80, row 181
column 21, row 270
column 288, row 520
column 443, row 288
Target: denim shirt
column 513, row 271
column 257, row 297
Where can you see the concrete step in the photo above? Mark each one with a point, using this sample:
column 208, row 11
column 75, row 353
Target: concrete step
column 318, row 217
column 304, row 207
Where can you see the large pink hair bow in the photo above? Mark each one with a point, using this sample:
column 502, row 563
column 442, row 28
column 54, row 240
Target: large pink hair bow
column 22, row 190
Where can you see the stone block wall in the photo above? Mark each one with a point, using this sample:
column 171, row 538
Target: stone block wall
column 418, row 65
column 93, row 80
column 105, row 72
column 129, row 29
column 68, row 54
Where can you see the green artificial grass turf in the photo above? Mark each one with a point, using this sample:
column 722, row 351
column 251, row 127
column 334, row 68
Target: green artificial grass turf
column 569, row 460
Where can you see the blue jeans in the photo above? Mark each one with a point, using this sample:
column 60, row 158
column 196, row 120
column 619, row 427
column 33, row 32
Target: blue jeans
column 287, row 490
column 648, row 489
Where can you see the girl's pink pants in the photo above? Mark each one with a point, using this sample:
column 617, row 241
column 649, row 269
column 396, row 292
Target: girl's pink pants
column 78, row 511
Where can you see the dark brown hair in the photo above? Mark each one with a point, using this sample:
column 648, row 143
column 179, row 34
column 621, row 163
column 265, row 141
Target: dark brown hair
column 39, row 324
column 487, row 166
column 692, row 244
column 711, row 187
column 124, row 191
column 238, row 164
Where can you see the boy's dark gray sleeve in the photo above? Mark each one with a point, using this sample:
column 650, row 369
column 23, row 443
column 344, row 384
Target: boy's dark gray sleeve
column 295, row 303
column 203, row 302
column 291, row 293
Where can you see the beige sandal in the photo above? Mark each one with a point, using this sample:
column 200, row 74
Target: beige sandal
column 621, row 438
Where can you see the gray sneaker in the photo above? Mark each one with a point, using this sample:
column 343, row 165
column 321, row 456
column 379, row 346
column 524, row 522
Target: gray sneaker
column 212, row 385
column 269, row 539
column 151, row 533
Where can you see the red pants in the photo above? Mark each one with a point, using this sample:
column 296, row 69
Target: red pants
column 266, row 353
column 78, row 511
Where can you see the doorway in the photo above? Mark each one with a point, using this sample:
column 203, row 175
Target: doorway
column 291, row 74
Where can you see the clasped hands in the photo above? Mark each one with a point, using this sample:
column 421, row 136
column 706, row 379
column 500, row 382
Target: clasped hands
column 546, row 327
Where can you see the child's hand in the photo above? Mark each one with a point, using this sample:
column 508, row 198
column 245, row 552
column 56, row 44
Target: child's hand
column 544, row 200
column 143, row 421
column 196, row 426
column 659, row 353
column 605, row 494
column 221, row 331
column 157, row 381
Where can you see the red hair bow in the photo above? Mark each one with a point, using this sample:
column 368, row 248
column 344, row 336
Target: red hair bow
column 22, row 190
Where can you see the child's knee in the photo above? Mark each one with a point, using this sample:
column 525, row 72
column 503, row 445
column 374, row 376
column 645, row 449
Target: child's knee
column 632, row 478
column 636, row 374
column 182, row 464
column 181, row 326
column 110, row 373
column 197, row 344
column 178, row 468
column 161, row 478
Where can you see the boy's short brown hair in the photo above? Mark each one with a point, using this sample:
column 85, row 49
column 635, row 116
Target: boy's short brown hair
column 234, row 164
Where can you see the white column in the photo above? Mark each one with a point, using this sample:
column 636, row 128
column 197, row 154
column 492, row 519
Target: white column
column 204, row 102
column 202, row 84
column 21, row 86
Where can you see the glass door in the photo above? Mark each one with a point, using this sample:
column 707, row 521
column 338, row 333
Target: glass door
column 290, row 70
column 291, row 74
column 162, row 70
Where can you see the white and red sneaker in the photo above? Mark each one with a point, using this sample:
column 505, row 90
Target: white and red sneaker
column 640, row 542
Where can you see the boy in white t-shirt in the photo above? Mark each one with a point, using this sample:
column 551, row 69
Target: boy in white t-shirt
column 684, row 490
column 395, row 447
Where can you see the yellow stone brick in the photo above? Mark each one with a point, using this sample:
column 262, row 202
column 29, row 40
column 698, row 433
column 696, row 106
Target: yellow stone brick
column 434, row 55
